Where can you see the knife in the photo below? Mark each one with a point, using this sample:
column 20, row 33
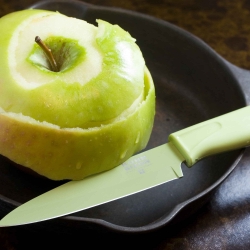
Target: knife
column 142, row 171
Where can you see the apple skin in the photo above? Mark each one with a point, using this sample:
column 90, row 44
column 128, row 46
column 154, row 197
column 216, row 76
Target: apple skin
column 74, row 154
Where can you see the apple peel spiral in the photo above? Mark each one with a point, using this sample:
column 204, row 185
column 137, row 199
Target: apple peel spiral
column 91, row 115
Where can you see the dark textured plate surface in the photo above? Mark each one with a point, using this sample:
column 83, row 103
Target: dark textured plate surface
column 193, row 84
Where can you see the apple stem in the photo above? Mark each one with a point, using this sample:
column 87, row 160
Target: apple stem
column 48, row 53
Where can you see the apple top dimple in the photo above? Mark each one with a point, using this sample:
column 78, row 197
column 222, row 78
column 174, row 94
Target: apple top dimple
column 22, row 43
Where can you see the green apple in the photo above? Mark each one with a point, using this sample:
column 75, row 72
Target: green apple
column 90, row 114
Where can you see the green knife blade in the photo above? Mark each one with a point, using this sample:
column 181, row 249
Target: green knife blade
column 142, row 171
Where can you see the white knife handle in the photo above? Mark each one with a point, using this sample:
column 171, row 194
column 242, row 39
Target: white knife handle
column 223, row 133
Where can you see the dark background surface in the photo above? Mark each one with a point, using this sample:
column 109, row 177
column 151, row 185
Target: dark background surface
column 224, row 222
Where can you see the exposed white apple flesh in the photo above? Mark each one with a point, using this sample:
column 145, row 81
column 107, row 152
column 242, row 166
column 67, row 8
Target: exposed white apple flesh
column 92, row 115
column 110, row 64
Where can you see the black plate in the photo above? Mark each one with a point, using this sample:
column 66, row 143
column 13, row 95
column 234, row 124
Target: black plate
column 193, row 84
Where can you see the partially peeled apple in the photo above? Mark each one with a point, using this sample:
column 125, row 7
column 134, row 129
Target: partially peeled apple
column 90, row 114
